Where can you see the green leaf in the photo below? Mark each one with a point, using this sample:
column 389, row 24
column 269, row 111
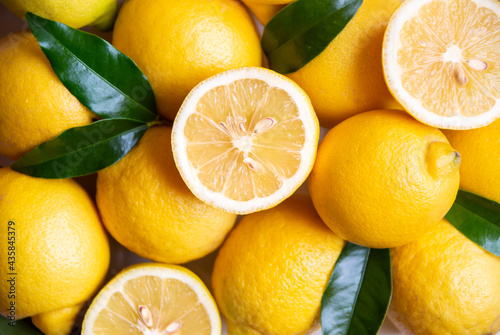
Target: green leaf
column 105, row 80
column 478, row 219
column 303, row 29
column 82, row 150
column 356, row 299
column 20, row 327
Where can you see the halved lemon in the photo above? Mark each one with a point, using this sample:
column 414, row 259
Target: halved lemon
column 153, row 299
column 245, row 139
column 441, row 61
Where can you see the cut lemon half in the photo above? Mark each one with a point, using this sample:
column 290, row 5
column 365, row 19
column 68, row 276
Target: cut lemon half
column 153, row 299
column 441, row 61
column 245, row 139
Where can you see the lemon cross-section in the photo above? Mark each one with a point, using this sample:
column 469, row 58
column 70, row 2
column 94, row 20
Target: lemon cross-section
column 237, row 132
column 245, row 140
column 442, row 61
column 153, row 299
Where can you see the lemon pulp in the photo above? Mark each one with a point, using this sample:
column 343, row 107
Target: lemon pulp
column 445, row 47
column 244, row 140
column 236, row 134
column 151, row 305
column 442, row 61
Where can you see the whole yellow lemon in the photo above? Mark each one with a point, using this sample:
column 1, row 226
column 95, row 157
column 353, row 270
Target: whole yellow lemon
column 177, row 44
column 445, row 284
column 55, row 250
column 147, row 207
column 34, row 105
column 74, row 13
column 347, row 77
column 382, row 179
column 480, row 167
column 271, row 272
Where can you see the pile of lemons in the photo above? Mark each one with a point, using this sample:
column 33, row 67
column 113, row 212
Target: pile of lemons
column 243, row 140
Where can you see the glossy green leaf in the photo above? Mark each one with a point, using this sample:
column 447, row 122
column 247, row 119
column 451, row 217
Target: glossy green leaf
column 303, row 29
column 478, row 219
column 358, row 294
column 82, row 150
column 20, row 327
column 105, row 80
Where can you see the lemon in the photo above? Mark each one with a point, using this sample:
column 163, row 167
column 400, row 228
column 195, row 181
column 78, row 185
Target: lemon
column 177, row 44
column 445, row 284
column 58, row 322
column 270, row 274
column 382, row 179
column 74, row 13
column 147, row 207
column 153, row 298
column 60, row 249
column 480, row 167
column 245, row 139
column 441, row 61
column 34, row 105
column 347, row 78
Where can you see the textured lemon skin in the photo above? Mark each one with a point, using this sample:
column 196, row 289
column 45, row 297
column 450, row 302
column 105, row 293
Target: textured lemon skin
column 58, row 322
column 146, row 206
column 374, row 180
column 445, row 284
column 347, row 77
column 74, row 13
column 34, row 105
column 61, row 249
column 271, row 272
column 177, row 44
column 480, row 167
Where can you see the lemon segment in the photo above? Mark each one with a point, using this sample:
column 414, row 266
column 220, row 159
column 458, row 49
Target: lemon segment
column 441, row 61
column 245, row 140
column 153, row 299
